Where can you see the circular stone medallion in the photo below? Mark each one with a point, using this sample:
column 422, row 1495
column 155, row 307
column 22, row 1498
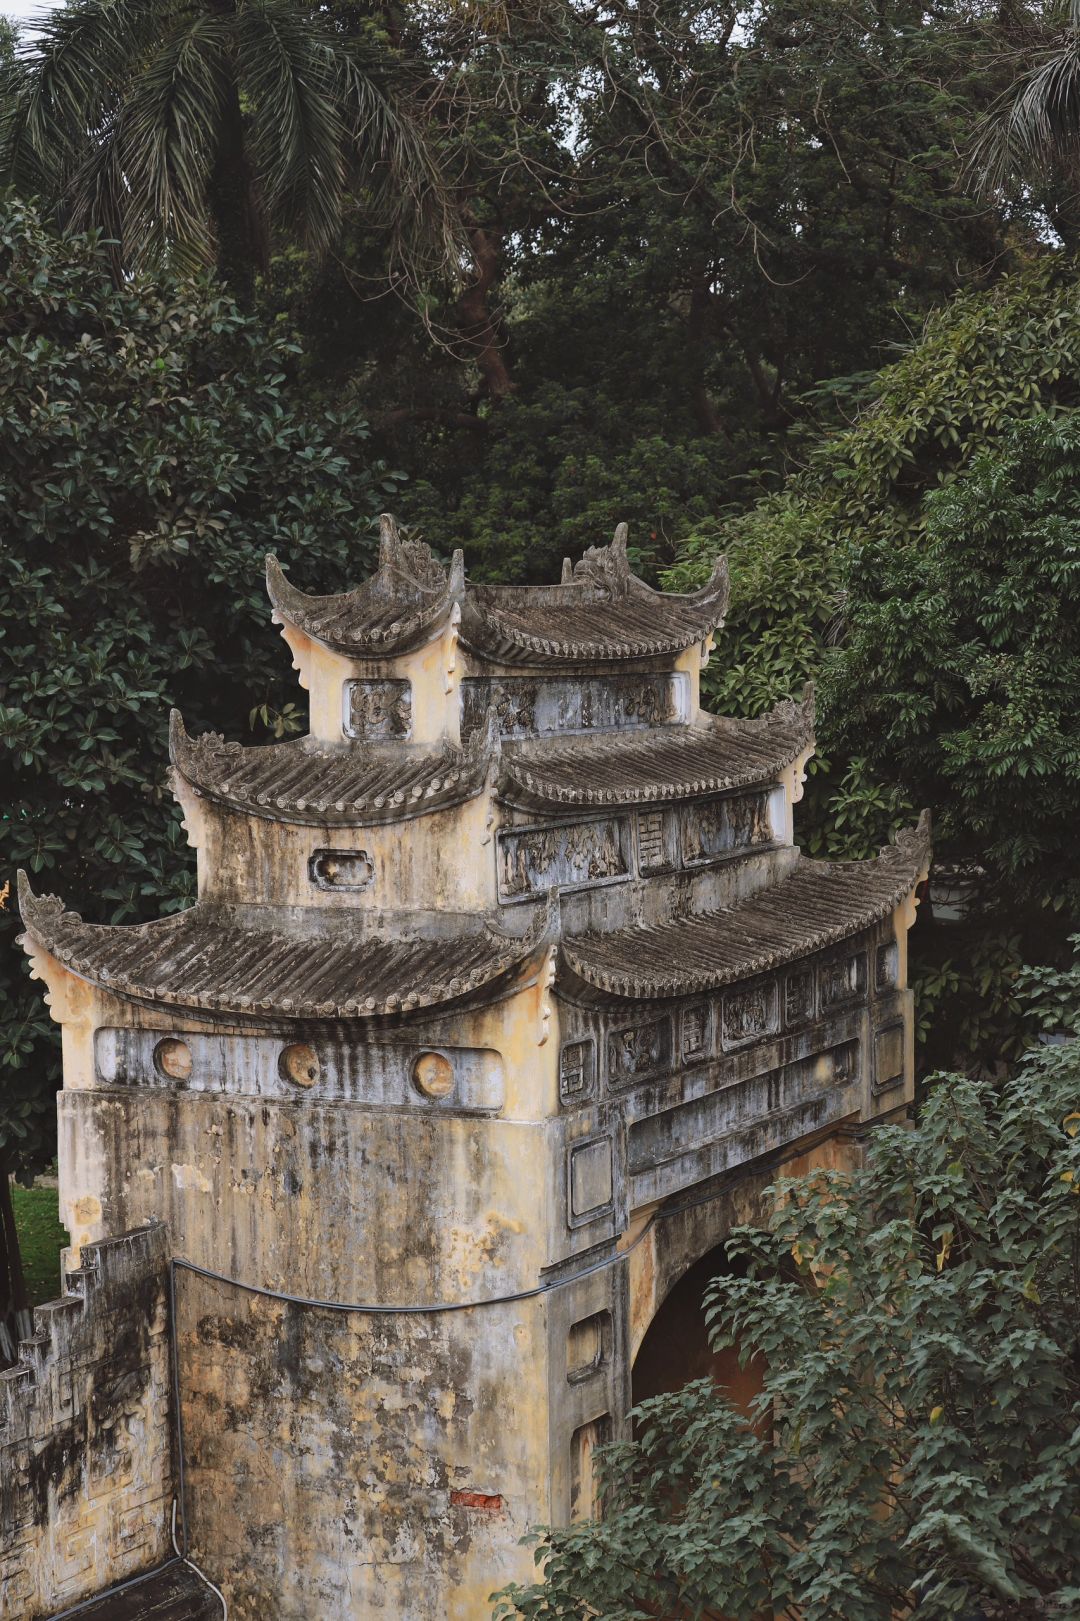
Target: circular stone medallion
column 299, row 1064
column 433, row 1075
column 172, row 1059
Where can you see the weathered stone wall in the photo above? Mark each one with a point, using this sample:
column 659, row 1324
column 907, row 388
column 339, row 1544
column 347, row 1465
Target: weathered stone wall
column 86, row 1478
column 355, row 1466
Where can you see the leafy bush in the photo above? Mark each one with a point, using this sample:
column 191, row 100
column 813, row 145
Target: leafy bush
column 959, row 675
column 916, row 1432
column 983, row 363
column 152, row 454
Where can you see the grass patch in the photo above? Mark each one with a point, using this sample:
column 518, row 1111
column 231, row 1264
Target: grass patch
column 41, row 1238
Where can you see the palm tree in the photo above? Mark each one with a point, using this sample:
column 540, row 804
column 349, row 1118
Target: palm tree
column 1031, row 132
column 189, row 130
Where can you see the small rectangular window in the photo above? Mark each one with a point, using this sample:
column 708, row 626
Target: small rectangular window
column 588, row 1346
column 584, row 1487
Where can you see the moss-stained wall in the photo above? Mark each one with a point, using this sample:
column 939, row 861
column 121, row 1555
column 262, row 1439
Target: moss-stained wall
column 86, row 1477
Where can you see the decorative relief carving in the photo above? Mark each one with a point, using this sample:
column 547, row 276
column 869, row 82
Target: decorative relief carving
column 547, row 985
column 842, row 981
column 637, row 1051
column 577, row 1068
column 887, row 966
column 718, row 827
column 378, row 710
column 695, row 1031
column 799, row 996
column 573, row 856
column 750, row 1014
column 652, row 845
column 342, row 869
column 531, row 707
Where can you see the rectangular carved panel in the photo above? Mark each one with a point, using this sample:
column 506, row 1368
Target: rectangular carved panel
column 577, row 1070
column 378, row 710
column 890, row 1065
column 591, row 1178
column 750, row 1014
column 588, row 1347
column 886, row 966
column 637, row 1051
column 535, row 859
column 528, row 706
column 719, row 827
column 842, row 981
column 654, row 839
column 695, row 1032
column 799, row 996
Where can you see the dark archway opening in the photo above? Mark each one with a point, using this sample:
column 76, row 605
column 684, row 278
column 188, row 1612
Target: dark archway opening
column 676, row 1346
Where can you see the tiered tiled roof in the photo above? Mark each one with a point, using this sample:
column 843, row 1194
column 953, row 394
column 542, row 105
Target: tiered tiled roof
column 406, row 598
column 663, row 763
column 261, row 962
column 600, row 613
column 302, row 782
column 819, row 904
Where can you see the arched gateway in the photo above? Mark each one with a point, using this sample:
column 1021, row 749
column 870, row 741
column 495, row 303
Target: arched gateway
column 505, row 995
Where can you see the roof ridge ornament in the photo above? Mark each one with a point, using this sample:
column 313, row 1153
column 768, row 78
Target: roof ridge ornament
column 407, row 560
column 911, row 844
column 41, row 913
column 393, row 611
column 606, row 566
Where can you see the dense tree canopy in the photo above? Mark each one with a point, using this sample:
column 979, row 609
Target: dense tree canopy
column 917, row 1424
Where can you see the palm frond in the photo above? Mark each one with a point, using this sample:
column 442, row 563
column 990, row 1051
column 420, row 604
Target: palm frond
column 164, row 144
column 74, row 73
column 402, row 176
column 286, row 69
column 1035, row 124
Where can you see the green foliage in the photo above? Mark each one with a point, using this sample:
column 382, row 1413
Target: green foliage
column 960, row 671
column 982, row 363
column 152, row 455
column 41, row 1238
column 189, row 131
column 922, row 566
column 917, row 1428
column 681, row 227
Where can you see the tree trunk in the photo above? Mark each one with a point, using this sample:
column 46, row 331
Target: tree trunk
column 239, row 228
column 479, row 327
column 707, row 416
column 15, row 1321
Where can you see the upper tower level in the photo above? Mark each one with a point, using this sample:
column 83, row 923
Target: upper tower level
column 417, row 655
column 493, row 744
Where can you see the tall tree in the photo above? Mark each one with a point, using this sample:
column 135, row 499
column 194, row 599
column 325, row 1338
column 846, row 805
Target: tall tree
column 191, row 130
column 1030, row 135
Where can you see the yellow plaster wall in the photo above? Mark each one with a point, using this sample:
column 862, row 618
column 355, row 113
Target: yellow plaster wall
column 443, row 860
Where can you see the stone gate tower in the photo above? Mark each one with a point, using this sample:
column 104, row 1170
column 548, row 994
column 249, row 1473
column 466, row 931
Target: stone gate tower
column 505, row 994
